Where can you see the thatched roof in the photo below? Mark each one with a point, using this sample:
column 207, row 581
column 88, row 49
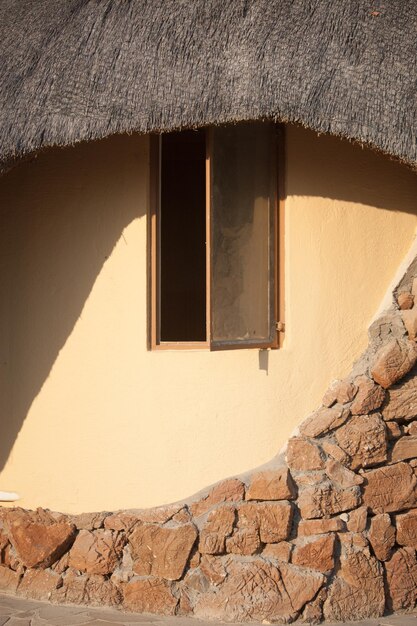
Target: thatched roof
column 74, row 70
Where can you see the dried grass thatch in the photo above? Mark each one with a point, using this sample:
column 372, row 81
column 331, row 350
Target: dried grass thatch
column 75, row 70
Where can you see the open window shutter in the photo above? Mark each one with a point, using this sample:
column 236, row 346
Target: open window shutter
column 241, row 213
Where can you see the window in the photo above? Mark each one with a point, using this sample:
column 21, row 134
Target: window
column 214, row 237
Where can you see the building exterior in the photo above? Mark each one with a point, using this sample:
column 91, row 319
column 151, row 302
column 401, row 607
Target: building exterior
column 305, row 519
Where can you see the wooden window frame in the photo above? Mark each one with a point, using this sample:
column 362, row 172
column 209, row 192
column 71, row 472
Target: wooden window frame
column 154, row 342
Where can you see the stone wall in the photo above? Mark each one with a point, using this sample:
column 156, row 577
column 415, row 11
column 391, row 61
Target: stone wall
column 328, row 532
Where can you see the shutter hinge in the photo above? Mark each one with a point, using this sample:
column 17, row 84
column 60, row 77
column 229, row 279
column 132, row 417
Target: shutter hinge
column 280, row 327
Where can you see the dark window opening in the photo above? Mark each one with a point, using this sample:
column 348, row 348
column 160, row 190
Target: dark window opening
column 182, row 251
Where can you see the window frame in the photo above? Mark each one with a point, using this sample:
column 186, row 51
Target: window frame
column 278, row 178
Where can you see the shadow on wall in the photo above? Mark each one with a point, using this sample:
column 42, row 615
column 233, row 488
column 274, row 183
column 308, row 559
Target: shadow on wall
column 63, row 213
column 61, row 216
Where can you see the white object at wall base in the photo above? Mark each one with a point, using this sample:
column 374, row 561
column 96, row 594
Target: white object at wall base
column 9, row 496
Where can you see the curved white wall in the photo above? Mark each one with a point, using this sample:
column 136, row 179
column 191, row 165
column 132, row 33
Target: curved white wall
column 90, row 419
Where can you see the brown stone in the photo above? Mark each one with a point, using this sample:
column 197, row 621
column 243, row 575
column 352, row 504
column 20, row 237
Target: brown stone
column 369, row 397
column 320, row 526
column 258, row 590
column 9, row 580
column 160, row 514
column 391, row 488
column 123, row 521
column 327, row 499
column 304, row 455
column 127, row 520
column 39, row 584
column 40, row 545
column 313, row 611
column 244, row 541
column 280, row 551
column 357, row 520
column 411, row 429
column 405, row 300
column 353, row 540
column 309, row 478
column 60, row 566
column 195, row 580
column 393, row 361
column 213, row 569
column 341, row 475
column 402, row 401
column 340, row 391
column 10, row 558
column 218, row 526
column 272, row 519
column 364, row 439
column 162, row 551
column 404, row 448
column 407, row 529
column 150, row 595
column 89, row 521
column 394, row 430
column 94, row 590
column 358, row 590
column 382, row 536
column 182, row 516
column 402, row 579
column 324, row 420
column 409, row 318
column 316, row 554
column 334, row 451
column 271, row 485
column 232, row 490
column 96, row 552
column 194, row 559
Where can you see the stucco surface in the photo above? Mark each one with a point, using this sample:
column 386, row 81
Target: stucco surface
column 90, row 418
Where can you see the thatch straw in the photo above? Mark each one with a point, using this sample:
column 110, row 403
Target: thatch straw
column 73, row 70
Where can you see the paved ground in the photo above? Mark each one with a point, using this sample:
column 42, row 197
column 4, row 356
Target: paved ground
column 20, row 612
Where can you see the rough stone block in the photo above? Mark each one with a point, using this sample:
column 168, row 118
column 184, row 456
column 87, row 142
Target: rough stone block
column 358, row 590
column 364, row 439
column 272, row 519
column 407, row 529
column 232, row 490
column 370, row 396
column 320, row 526
column 404, row 448
column 162, row 552
column 339, row 474
column 391, row 488
column 324, row 420
column 327, row 499
column 258, row 590
column 39, row 584
column 9, row 580
column 271, row 485
column 393, row 361
column 339, row 391
column 402, row 400
column 150, row 595
column 38, row 544
column 213, row 569
column 304, row 455
column 402, row 579
column 316, row 554
column 96, row 552
column 357, row 520
column 382, row 536
column 280, row 551
column 218, row 526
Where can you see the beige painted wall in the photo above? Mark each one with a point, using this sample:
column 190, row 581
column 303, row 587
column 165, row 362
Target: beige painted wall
column 89, row 418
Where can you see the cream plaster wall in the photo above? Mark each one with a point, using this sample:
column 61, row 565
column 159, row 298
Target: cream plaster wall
column 90, row 419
